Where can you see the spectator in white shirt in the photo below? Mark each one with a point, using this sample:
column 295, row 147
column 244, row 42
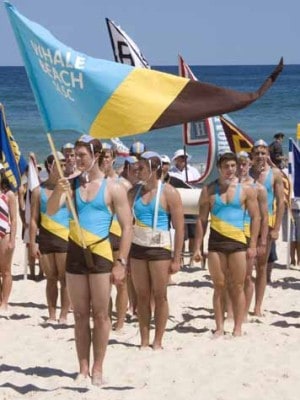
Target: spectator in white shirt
column 181, row 169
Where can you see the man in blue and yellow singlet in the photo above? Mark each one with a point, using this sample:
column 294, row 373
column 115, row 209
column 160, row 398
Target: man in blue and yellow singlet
column 271, row 178
column 226, row 199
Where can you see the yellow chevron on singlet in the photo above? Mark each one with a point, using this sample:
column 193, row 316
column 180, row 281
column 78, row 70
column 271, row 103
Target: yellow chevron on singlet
column 227, row 230
column 103, row 249
column 54, row 227
column 145, row 89
column 271, row 220
column 115, row 228
column 247, row 230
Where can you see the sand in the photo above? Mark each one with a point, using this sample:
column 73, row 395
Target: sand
column 38, row 361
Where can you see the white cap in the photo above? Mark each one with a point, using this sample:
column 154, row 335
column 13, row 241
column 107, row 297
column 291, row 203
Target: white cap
column 165, row 159
column 180, row 153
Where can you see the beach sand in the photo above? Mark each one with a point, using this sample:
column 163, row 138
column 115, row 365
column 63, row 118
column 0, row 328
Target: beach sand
column 38, row 361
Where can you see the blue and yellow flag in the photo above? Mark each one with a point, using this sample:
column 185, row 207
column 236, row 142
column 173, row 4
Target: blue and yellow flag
column 12, row 160
column 107, row 99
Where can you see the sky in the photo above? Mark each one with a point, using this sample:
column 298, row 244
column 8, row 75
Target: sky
column 204, row 32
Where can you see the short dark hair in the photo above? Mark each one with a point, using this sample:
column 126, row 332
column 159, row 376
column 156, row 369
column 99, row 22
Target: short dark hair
column 229, row 156
column 93, row 145
column 279, row 135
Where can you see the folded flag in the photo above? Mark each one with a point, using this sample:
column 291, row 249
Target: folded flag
column 107, row 99
column 13, row 162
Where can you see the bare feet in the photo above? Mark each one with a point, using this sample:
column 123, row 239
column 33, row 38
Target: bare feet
column 217, row 334
column 157, row 347
column 97, row 379
column 82, row 380
column 258, row 313
column 63, row 321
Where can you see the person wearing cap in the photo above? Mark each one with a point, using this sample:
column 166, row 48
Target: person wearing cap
column 166, row 163
column 137, row 149
column 90, row 265
column 226, row 200
column 181, row 169
column 8, row 229
column 106, row 163
column 68, row 150
column 155, row 204
column 186, row 173
column 243, row 168
column 271, row 178
column 49, row 241
column 130, row 177
column 276, row 151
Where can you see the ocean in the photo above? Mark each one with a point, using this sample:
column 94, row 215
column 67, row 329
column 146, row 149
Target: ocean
column 277, row 111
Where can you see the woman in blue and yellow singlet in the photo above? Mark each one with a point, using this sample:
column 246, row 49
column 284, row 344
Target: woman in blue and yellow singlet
column 96, row 199
column 155, row 205
column 49, row 241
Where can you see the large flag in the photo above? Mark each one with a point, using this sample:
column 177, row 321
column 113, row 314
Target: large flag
column 125, row 49
column 294, row 168
column 13, row 162
column 107, row 99
column 208, row 131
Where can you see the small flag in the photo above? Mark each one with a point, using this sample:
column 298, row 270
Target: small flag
column 107, row 99
column 294, row 168
column 125, row 49
column 237, row 139
column 11, row 158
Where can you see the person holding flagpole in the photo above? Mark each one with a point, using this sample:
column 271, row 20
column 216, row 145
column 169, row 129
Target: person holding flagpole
column 90, row 265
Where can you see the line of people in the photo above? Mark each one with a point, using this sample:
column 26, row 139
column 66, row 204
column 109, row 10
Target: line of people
column 246, row 205
column 123, row 238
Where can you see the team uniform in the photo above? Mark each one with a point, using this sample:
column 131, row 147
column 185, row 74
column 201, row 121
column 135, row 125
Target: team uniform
column 227, row 233
column 144, row 218
column 54, row 229
column 95, row 221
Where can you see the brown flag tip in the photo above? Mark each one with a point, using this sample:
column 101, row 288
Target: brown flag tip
column 199, row 100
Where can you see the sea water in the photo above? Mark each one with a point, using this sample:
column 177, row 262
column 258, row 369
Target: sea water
column 277, row 111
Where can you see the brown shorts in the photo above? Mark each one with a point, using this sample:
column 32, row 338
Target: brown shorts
column 76, row 262
column 149, row 253
column 114, row 241
column 50, row 243
column 223, row 244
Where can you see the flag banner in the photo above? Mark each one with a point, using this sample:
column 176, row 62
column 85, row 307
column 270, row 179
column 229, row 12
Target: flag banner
column 107, row 99
column 12, row 160
column 237, row 139
column 294, row 168
column 124, row 48
column 194, row 133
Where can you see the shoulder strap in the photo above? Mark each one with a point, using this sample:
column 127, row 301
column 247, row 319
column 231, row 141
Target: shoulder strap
column 157, row 204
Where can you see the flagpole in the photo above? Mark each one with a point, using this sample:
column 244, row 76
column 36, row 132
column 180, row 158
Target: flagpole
column 68, row 194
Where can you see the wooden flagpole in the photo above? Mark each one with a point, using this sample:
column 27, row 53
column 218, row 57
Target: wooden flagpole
column 68, row 194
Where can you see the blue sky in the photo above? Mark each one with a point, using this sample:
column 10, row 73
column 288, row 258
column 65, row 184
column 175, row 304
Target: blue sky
column 205, row 32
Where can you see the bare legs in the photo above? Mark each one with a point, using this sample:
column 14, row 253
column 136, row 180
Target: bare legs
column 147, row 276
column 5, row 269
column 261, row 280
column 88, row 291
column 233, row 266
column 54, row 267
